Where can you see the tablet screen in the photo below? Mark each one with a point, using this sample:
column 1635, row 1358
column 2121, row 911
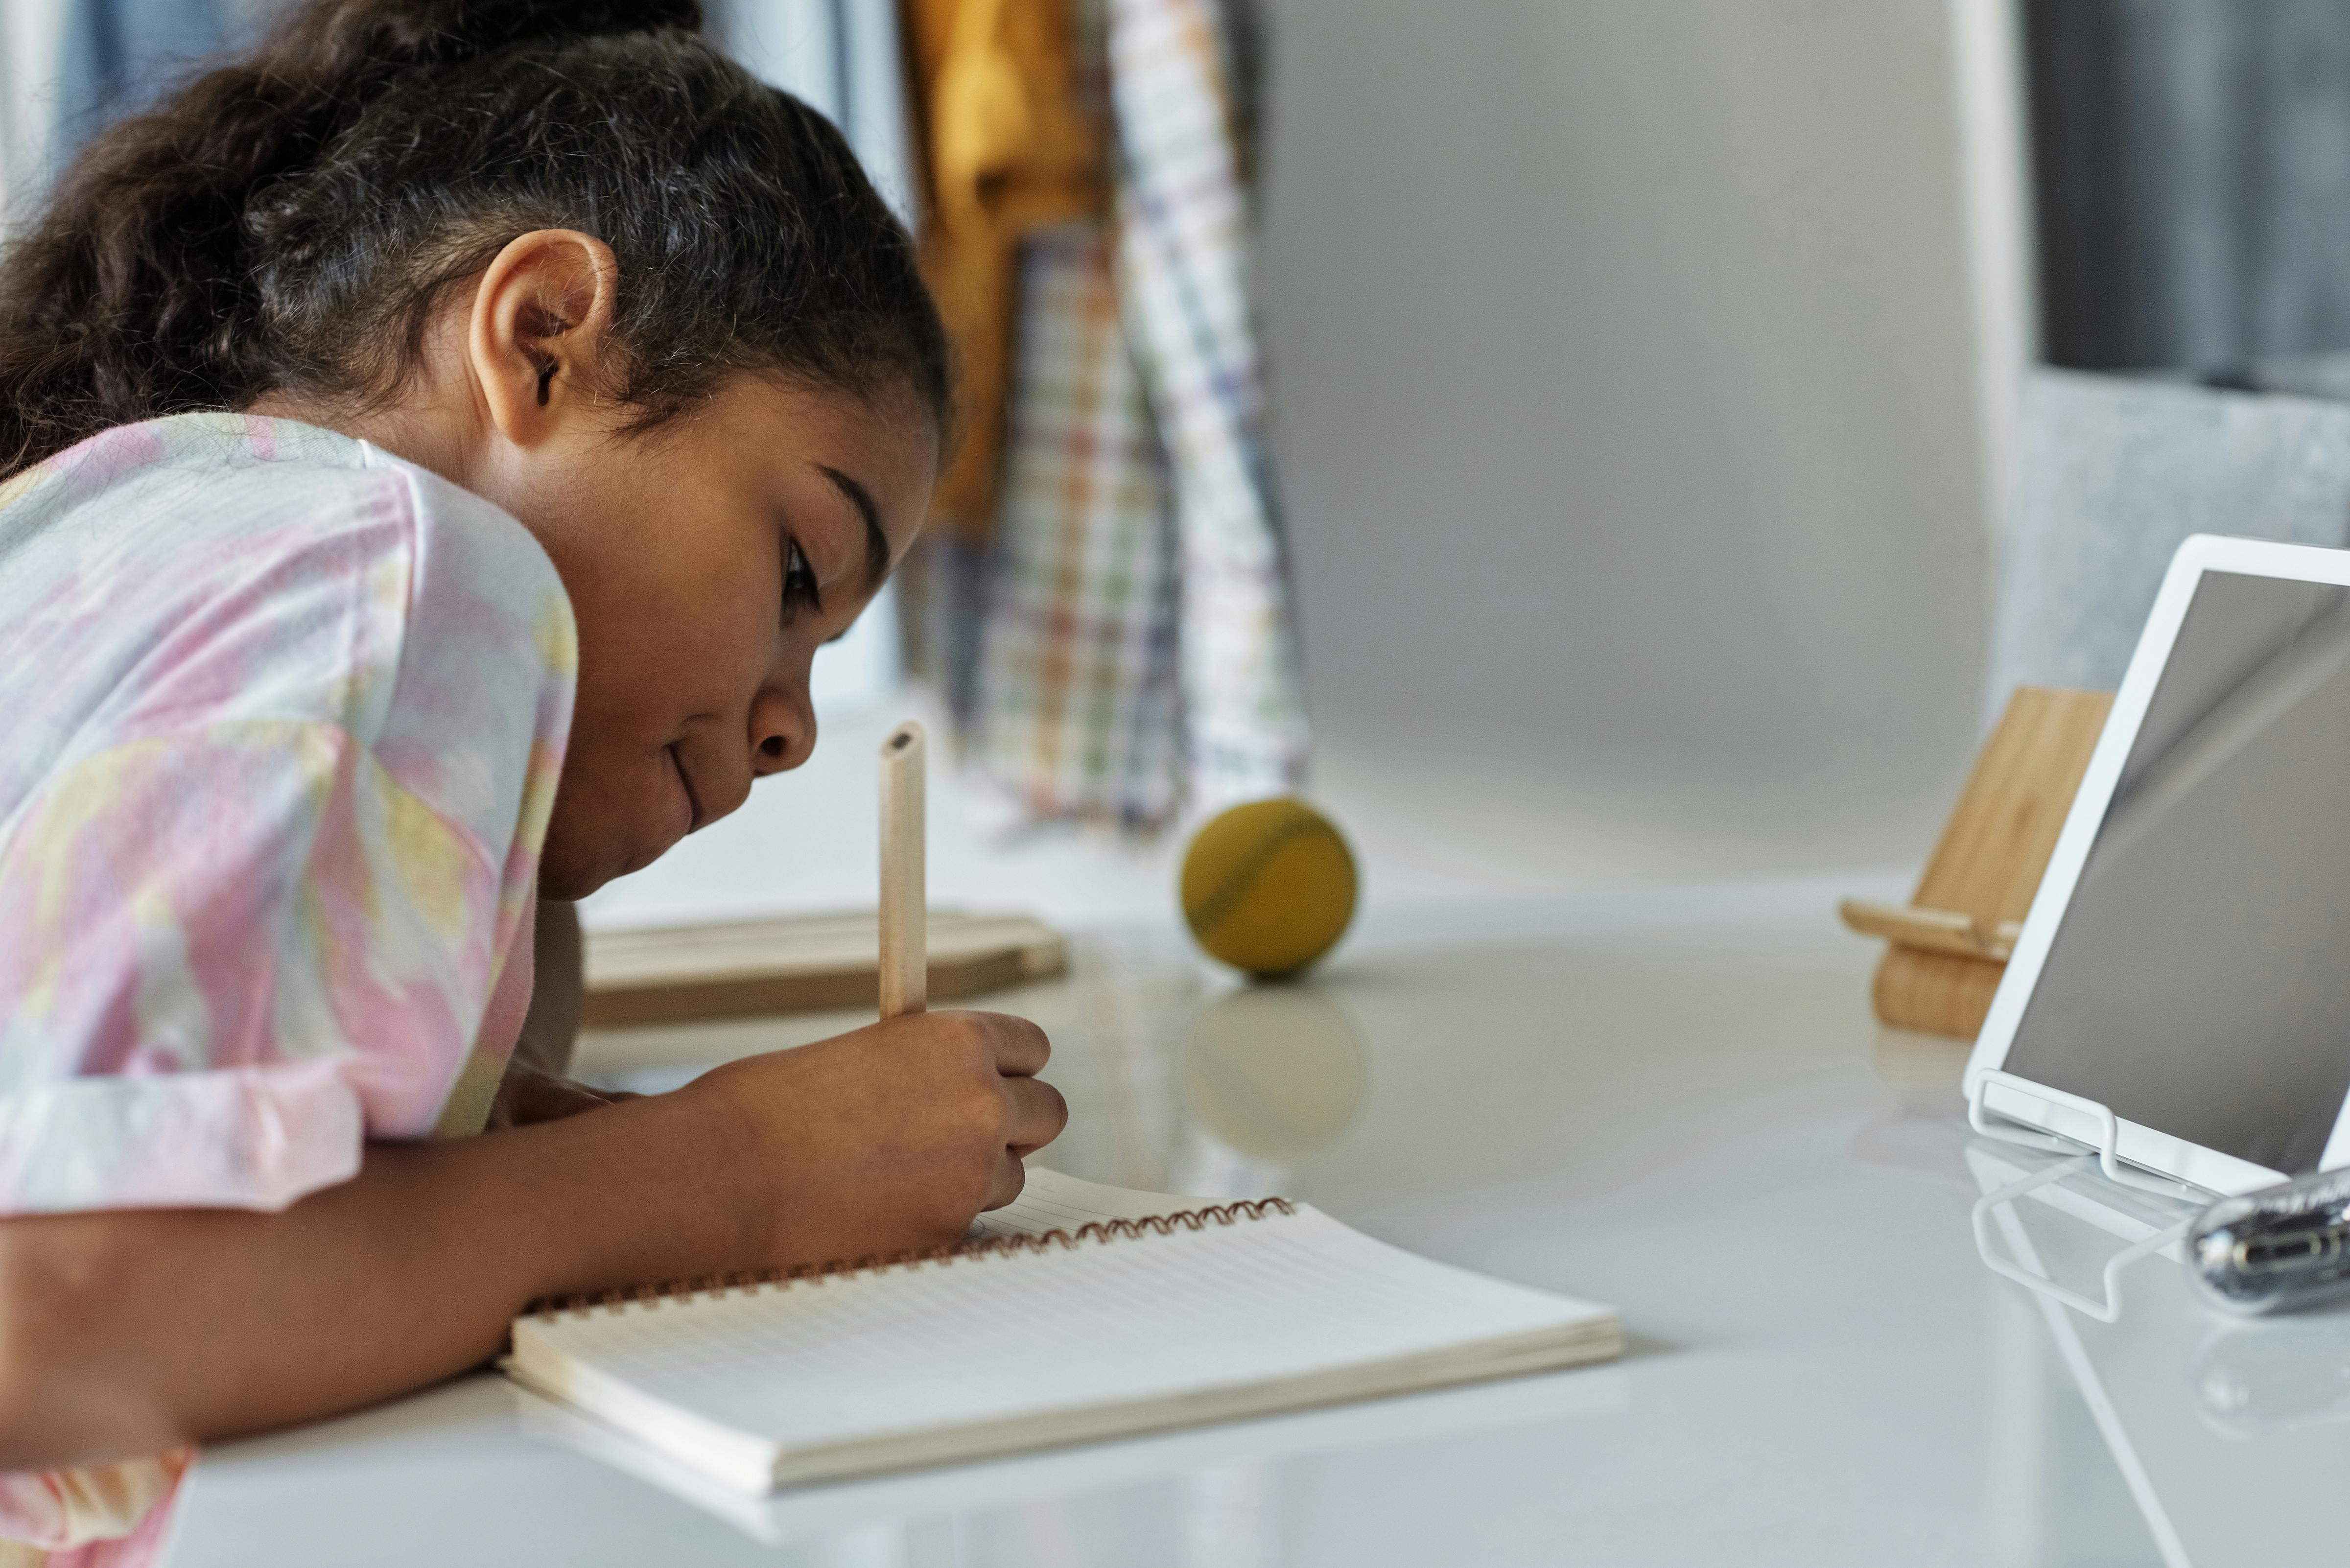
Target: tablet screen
column 2200, row 982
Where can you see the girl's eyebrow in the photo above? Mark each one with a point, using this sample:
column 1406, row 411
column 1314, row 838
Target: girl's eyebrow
column 876, row 543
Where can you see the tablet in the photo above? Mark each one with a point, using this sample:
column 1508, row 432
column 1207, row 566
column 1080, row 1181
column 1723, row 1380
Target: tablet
column 2186, row 963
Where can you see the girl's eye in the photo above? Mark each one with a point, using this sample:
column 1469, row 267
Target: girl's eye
column 800, row 582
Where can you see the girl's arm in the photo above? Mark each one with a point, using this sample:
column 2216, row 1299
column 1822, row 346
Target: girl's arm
column 131, row 1332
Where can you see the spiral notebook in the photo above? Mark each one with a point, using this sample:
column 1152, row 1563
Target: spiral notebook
column 1081, row 1312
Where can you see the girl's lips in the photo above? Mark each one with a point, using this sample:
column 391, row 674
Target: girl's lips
column 685, row 783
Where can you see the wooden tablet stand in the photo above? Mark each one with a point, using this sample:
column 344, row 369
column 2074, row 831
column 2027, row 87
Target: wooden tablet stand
column 1950, row 945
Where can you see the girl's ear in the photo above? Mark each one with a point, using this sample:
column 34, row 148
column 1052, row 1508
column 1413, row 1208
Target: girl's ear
column 540, row 328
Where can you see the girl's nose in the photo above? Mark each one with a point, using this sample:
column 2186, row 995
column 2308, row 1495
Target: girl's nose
column 783, row 729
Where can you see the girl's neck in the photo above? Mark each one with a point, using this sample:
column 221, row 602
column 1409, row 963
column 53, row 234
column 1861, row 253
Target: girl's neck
column 412, row 433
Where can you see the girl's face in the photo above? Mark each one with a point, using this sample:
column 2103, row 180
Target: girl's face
column 706, row 561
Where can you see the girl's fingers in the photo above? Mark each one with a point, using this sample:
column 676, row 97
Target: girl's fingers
column 1010, row 1177
column 1037, row 1115
column 1021, row 1048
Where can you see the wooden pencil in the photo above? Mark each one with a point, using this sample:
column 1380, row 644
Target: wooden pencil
column 905, row 899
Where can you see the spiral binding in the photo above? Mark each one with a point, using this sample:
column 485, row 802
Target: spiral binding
column 1097, row 1232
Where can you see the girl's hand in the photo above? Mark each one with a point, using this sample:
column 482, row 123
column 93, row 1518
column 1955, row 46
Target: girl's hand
column 893, row 1136
column 529, row 1093
column 559, row 991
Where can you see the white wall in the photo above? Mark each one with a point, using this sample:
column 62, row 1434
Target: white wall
column 1630, row 415
column 1631, row 418
column 1630, row 424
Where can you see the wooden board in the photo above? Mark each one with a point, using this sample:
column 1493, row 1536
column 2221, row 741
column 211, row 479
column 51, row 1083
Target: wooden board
column 684, row 973
column 1950, row 946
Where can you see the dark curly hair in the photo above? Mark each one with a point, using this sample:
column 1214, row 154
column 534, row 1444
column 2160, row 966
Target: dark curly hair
column 291, row 222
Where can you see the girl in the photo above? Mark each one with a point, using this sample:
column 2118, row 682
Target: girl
column 438, row 444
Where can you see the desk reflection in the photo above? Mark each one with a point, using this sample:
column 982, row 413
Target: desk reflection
column 1272, row 1075
column 2228, row 1435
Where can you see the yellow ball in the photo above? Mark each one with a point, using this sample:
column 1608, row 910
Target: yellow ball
column 1269, row 887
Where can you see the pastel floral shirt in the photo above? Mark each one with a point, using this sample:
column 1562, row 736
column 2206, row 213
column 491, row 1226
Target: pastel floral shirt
column 284, row 717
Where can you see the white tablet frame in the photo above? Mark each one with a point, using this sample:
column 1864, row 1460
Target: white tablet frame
column 2016, row 1100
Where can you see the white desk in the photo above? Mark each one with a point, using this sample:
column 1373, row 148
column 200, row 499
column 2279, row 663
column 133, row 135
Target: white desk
column 1690, row 1116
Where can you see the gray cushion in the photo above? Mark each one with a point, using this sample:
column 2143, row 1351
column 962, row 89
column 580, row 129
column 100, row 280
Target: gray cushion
column 2113, row 473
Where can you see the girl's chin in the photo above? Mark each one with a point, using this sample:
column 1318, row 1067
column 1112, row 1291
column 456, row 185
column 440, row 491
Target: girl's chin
column 568, row 880
column 562, row 877
column 678, row 795
column 574, row 866
column 577, row 862
column 617, row 832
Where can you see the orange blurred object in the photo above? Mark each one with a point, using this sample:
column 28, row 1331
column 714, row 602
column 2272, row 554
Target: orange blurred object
column 1011, row 140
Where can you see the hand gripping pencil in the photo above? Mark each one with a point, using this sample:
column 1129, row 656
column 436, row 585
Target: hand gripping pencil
column 905, row 910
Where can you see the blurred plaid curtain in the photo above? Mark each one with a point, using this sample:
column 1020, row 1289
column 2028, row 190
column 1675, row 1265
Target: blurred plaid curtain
column 843, row 58
column 2192, row 165
column 1110, row 599
column 69, row 67
column 119, row 53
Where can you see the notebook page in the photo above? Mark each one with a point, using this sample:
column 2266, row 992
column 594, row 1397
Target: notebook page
column 977, row 1341
column 1052, row 1201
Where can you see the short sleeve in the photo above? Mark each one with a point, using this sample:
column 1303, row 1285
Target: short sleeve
column 269, row 840
column 101, row 1515
column 228, row 955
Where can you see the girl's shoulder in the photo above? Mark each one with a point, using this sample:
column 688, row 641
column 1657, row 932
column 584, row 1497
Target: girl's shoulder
column 227, row 491
column 211, row 568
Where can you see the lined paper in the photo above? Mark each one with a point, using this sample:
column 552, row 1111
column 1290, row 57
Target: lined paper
column 1007, row 1339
